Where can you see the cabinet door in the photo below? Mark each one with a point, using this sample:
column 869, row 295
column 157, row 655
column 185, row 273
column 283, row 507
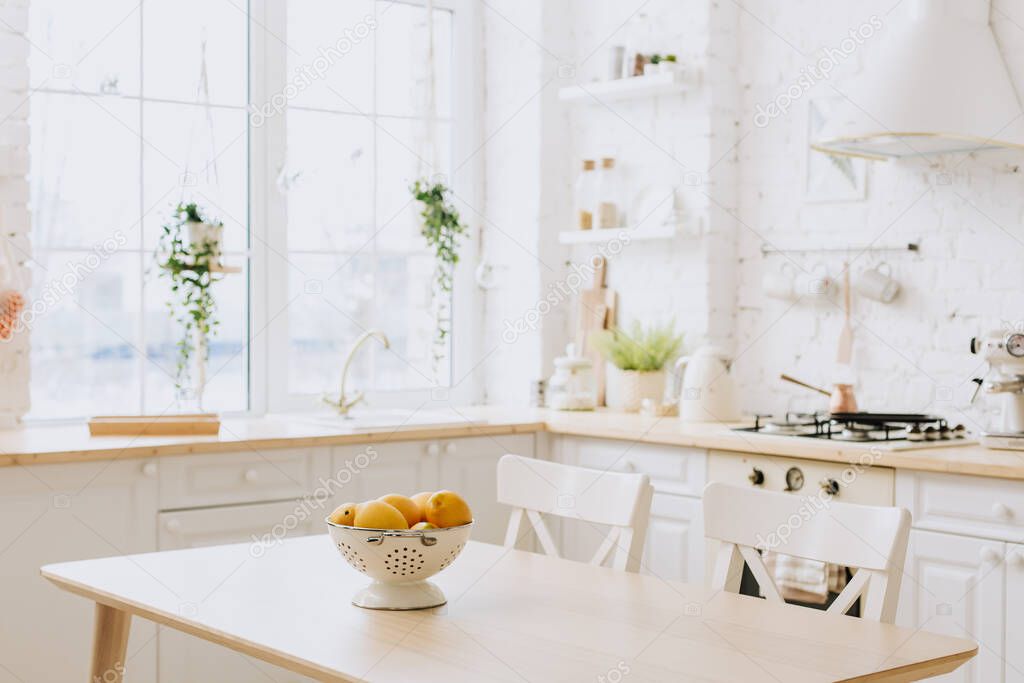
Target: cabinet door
column 186, row 659
column 955, row 585
column 58, row 513
column 360, row 473
column 674, row 549
column 470, row 467
column 1015, row 613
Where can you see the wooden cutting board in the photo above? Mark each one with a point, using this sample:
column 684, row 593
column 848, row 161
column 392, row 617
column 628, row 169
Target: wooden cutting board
column 596, row 312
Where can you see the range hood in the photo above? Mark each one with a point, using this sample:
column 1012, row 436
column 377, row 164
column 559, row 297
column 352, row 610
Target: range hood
column 935, row 83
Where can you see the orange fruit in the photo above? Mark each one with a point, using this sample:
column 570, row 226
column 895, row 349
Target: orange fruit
column 447, row 508
column 376, row 514
column 421, row 500
column 407, row 506
column 422, row 525
column 345, row 514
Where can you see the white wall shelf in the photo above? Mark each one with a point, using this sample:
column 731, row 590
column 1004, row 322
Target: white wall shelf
column 625, row 88
column 601, row 235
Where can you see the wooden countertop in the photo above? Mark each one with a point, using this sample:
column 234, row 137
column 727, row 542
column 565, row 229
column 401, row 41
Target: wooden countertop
column 72, row 443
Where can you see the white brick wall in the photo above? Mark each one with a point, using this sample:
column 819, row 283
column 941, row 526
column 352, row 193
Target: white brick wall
column 911, row 355
column 14, row 192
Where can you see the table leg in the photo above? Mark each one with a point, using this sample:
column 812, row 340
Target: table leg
column 110, row 642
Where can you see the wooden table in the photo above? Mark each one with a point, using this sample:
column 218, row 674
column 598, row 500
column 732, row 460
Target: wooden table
column 511, row 616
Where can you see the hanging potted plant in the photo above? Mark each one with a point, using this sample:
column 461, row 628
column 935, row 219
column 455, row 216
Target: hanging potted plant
column 442, row 227
column 636, row 363
column 189, row 256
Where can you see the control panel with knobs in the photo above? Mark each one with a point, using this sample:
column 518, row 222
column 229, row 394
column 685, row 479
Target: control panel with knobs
column 830, row 486
column 990, row 555
column 756, row 477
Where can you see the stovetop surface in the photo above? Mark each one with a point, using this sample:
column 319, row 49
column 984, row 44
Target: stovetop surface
column 859, row 427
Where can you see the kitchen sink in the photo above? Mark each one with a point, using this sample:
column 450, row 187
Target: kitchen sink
column 387, row 419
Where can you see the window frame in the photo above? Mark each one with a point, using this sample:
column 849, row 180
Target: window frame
column 268, row 310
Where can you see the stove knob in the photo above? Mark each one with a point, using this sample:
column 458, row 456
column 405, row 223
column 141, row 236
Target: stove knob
column 830, row 486
column 756, row 477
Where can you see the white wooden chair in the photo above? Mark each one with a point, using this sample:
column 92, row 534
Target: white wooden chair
column 870, row 539
column 619, row 500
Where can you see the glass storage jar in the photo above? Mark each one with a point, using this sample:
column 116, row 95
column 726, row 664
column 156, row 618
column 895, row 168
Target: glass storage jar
column 573, row 386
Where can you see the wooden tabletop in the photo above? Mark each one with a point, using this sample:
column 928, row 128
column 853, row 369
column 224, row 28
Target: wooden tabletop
column 511, row 616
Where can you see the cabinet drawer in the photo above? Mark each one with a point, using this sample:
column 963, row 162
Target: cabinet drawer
column 672, row 469
column 227, row 478
column 973, row 506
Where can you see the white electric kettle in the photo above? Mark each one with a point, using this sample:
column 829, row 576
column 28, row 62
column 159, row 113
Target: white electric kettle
column 707, row 393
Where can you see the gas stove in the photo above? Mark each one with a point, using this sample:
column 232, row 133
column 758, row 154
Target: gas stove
column 897, row 431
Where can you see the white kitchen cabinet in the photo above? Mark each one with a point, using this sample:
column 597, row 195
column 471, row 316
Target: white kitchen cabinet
column 957, row 585
column 1015, row 613
column 674, row 550
column 674, row 547
column 186, row 659
column 58, row 513
column 466, row 465
column 363, row 472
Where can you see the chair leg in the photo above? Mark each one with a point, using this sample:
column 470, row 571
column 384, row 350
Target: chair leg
column 110, row 643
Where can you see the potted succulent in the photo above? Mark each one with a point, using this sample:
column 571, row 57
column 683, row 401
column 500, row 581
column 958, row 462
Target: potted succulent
column 636, row 363
column 189, row 255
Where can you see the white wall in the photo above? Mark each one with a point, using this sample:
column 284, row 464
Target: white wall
column 965, row 211
column 14, row 213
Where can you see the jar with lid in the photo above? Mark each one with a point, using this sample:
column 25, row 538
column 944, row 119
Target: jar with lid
column 585, row 195
column 609, row 191
column 573, row 386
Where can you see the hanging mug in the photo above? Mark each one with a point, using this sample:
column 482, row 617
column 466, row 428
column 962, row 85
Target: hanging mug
column 878, row 284
column 780, row 284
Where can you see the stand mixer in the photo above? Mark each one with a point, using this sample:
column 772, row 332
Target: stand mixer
column 1004, row 352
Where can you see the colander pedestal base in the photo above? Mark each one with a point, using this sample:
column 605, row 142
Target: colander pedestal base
column 400, row 596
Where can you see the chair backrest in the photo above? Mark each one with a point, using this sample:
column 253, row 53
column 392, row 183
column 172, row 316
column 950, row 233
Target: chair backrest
column 619, row 500
column 870, row 539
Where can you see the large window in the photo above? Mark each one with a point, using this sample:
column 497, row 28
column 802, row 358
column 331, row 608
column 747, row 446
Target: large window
column 138, row 106
column 356, row 137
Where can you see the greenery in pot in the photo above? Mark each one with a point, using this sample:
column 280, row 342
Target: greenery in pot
column 191, row 268
column 442, row 227
column 640, row 349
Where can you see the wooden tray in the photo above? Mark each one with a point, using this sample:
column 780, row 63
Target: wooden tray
column 155, row 425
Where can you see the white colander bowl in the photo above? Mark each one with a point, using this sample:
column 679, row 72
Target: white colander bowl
column 399, row 562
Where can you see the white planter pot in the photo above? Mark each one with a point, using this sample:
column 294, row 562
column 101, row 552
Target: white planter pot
column 626, row 389
column 207, row 233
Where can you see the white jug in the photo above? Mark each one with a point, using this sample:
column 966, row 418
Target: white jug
column 708, row 393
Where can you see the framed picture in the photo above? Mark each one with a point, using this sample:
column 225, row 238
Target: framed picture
column 831, row 178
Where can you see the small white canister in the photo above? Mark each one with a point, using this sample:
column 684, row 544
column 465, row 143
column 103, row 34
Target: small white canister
column 573, row 386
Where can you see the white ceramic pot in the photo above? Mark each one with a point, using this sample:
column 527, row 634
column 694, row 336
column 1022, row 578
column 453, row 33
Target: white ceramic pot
column 208, row 233
column 625, row 390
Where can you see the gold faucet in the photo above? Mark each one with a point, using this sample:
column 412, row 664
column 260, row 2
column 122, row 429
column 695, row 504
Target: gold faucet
column 345, row 403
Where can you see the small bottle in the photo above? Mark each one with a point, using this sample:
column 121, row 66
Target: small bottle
column 608, row 191
column 585, row 195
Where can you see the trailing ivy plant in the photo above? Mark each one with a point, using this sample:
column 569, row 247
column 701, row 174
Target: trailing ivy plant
column 442, row 227
column 190, row 268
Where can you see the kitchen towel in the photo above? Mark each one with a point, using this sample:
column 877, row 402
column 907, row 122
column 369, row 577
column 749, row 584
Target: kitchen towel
column 804, row 580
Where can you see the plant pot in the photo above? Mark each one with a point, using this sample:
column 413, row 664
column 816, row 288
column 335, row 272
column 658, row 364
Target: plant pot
column 626, row 389
column 207, row 233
